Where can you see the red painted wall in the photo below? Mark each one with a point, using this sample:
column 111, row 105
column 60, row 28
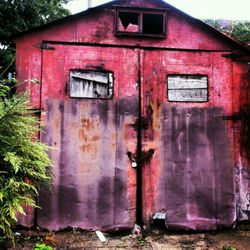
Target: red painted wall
column 97, row 28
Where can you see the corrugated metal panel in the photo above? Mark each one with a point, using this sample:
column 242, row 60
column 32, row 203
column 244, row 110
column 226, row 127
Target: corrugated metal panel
column 190, row 176
column 94, row 185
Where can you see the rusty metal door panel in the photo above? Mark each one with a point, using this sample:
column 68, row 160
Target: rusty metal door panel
column 241, row 78
column 183, row 149
column 94, row 185
column 190, row 176
column 198, row 169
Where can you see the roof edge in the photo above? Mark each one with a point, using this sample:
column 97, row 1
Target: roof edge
column 89, row 11
column 64, row 19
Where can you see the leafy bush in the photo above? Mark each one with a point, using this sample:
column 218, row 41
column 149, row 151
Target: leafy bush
column 3, row 89
column 24, row 162
column 42, row 247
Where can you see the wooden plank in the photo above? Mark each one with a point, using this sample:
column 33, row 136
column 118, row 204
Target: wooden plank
column 187, row 88
column 88, row 89
column 187, row 82
column 188, row 95
column 100, row 77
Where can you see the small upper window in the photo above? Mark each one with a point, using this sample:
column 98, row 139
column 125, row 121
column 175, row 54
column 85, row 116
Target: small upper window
column 91, row 84
column 142, row 22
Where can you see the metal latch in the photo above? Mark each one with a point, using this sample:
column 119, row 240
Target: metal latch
column 133, row 164
column 132, row 159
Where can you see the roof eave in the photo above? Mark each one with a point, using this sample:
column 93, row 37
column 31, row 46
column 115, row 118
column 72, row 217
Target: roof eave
column 63, row 20
column 116, row 2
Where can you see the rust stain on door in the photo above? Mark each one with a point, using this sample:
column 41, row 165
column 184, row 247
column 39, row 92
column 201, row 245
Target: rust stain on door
column 94, row 185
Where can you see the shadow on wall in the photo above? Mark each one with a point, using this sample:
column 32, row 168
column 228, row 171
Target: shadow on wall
column 244, row 115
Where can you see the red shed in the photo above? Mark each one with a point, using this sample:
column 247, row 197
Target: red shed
column 147, row 113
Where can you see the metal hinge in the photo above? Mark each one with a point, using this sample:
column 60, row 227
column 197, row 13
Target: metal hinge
column 45, row 46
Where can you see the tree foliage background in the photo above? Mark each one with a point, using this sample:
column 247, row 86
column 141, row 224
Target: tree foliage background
column 237, row 29
column 24, row 162
column 20, row 15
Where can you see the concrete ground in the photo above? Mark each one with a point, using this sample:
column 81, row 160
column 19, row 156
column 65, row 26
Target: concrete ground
column 238, row 238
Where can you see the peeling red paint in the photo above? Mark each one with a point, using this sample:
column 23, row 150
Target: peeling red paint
column 192, row 158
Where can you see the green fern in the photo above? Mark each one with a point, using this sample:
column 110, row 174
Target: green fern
column 24, row 162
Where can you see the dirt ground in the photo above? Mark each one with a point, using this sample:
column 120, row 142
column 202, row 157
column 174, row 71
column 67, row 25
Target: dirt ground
column 238, row 238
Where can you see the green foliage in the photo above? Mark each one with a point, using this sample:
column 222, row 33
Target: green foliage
column 24, row 162
column 42, row 247
column 237, row 29
column 7, row 60
column 20, row 15
column 229, row 248
column 7, row 87
column 4, row 89
column 241, row 31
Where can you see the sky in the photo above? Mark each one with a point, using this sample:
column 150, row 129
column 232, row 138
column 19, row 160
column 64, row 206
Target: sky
column 214, row 9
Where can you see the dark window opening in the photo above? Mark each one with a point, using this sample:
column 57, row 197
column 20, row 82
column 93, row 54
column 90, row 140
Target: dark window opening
column 128, row 22
column 152, row 24
column 91, row 84
column 140, row 22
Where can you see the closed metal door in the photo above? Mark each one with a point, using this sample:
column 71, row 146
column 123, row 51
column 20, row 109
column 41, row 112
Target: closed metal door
column 90, row 128
column 189, row 181
column 136, row 134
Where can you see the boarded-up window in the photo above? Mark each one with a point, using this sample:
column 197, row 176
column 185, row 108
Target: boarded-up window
column 91, row 84
column 187, row 88
column 141, row 22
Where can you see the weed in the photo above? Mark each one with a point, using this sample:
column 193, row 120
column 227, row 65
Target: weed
column 229, row 248
column 141, row 241
column 42, row 247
